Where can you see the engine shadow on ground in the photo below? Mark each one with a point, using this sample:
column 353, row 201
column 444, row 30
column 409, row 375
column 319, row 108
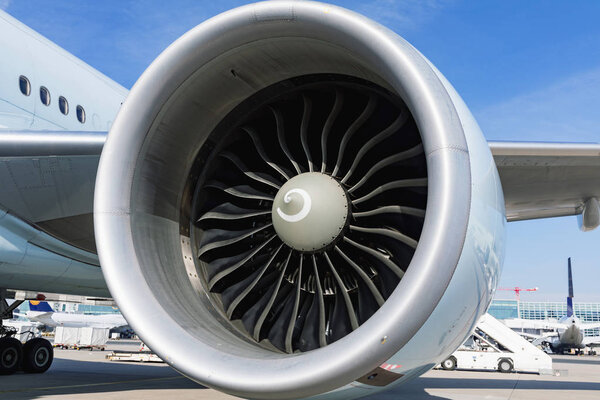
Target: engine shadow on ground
column 73, row 377
column 578, row 360
column 416, row 390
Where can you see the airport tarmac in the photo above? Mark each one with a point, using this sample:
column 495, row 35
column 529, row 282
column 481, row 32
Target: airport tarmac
column 88, row 375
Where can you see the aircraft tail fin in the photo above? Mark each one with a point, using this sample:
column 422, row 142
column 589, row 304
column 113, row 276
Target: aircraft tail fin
column 570, row 297
column 40, row 306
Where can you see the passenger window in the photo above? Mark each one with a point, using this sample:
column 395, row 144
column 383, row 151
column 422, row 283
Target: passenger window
column 45, row 96
column 63, row 104
column 80, row 114
column 24, row 85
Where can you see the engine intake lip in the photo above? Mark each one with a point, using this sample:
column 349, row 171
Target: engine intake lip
column 135, row 196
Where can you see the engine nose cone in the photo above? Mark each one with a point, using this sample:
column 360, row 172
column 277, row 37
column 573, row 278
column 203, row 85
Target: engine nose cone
column 310, row 211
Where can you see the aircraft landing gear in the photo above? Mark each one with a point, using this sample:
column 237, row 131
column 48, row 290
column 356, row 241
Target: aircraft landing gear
column 11, row 352
column 35, row 356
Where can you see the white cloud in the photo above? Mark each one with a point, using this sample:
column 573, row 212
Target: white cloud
column 403, row 14
column 568, row 110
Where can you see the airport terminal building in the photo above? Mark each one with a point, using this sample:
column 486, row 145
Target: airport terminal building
column 541, row 310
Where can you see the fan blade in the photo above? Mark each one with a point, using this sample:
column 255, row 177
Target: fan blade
column 217, row 238
column 362, row 118
column 281, row 137
column 294, row 315
column 267, row 309
column 262, row 153
column 404, row 183
column 304, row 131
column 344, row 291
column 387, row 132
column 367, row 281
column 250, row 283
column 417, row 212
column 228, row 211
column 387, row 232
column 376, row 254
column 256, row 176
column 413, row 152
column 337, row 107
column 240, row 191
column 218, row 276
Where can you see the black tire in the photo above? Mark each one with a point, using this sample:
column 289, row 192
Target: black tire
column 505, row 365
column 11, row 354
column 449, row 364
column 38, row 355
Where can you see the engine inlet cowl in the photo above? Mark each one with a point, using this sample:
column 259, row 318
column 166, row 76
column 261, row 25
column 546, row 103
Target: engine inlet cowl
column 258, row 110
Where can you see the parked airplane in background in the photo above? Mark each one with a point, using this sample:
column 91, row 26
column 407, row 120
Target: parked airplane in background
column 568, row 329
column 40, row 311
column 300, row 197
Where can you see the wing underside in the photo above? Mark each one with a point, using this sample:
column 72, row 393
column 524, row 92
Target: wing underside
column 47, row 179
column 542, row 180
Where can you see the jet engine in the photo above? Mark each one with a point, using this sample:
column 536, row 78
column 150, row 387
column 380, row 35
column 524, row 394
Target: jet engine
column 294, row 202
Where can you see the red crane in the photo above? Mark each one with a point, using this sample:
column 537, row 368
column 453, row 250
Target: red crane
column 518, row 290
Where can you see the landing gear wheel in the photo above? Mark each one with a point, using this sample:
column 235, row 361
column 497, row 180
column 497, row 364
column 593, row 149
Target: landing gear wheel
column 37, row 356
column 505, row 365
column 11, row 353
column 449, row 364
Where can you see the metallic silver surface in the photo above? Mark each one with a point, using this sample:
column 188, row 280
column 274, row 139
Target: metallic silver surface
column 544, row 149
column 33, row 260
column 50, row 143
column 45, row 188
column 310, row 211
column 147, row 157
column 542, row 180
column 590, row 216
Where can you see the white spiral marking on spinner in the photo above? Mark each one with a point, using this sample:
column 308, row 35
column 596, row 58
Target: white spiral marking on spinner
column 300, row 215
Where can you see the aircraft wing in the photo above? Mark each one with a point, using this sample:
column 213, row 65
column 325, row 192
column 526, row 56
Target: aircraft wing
column 542, row 180
column 518, row 323
column 42, row 317
column 591, row 341
column 47, row 179
column 544, row 339
column 590, row 325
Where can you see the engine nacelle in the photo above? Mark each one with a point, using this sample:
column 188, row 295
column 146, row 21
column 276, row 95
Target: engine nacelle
column 292, row 196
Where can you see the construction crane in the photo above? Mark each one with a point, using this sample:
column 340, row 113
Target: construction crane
column 518, row 291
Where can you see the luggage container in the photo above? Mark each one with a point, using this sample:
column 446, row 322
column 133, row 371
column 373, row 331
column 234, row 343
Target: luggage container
column 93, row 338
column 66, row 337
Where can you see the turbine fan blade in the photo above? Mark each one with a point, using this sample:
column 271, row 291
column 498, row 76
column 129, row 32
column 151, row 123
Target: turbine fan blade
column 240, row 191
column 228, row 211
column 283, row 297
column 337, row 107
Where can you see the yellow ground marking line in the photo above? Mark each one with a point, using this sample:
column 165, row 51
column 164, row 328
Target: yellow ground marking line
column 91, row 384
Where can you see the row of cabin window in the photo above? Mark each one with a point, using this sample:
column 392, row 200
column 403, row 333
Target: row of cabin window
column 63, row 104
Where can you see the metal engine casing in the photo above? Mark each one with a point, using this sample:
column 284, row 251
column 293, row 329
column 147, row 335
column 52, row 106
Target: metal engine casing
column 145, row 169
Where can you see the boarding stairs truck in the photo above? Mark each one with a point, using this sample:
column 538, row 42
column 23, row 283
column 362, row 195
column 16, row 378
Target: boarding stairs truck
column 494, row 346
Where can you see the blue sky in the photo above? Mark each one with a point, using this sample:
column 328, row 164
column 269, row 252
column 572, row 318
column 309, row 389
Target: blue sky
column 529, row 70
